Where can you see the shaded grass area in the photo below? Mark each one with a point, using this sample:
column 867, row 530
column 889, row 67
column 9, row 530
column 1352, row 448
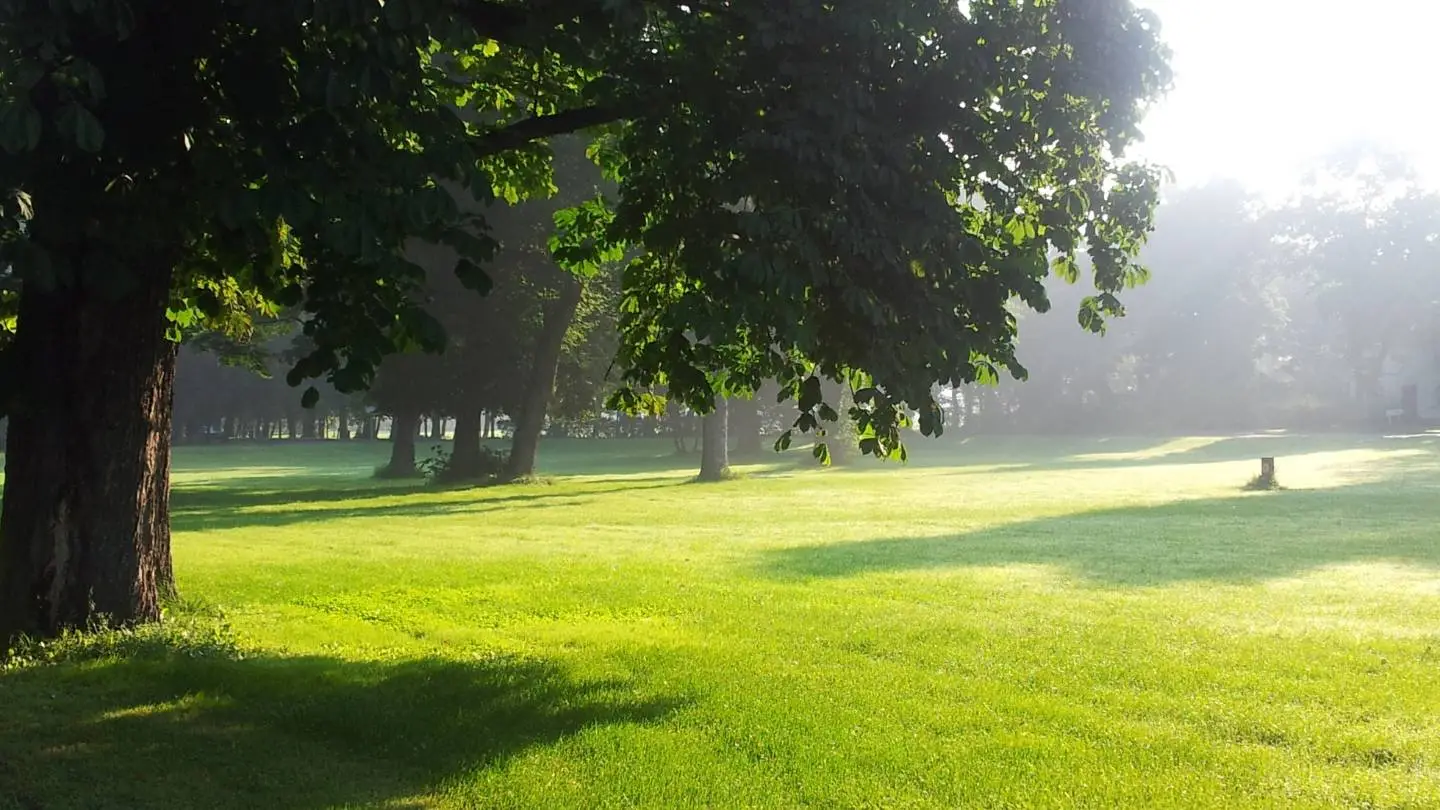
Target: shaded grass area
column 1004, row 623
column 1223, row 540
column 295, row 732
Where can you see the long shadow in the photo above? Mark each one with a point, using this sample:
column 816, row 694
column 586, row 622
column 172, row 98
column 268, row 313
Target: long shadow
column 292, row 733
column 1029, row 454
column 1228, row 540
column 230, row 509
column 245, row 493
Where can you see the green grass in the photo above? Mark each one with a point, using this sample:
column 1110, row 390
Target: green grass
column 1017, row 623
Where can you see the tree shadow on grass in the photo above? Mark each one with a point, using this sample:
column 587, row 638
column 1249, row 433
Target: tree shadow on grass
column 226, row 508
column 1227, row 540
column 169, row 731
column 242, row 493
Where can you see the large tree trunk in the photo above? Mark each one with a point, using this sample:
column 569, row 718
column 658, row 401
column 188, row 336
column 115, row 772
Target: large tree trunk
column 540, row 387
column 465, row 455
column 85, row 533
column 715, row 443
column 402, row 443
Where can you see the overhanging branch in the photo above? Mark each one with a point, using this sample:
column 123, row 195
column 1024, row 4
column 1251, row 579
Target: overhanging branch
column 546, row 126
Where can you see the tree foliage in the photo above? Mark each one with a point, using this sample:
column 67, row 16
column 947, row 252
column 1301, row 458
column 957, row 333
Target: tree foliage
column 909, row 174
column 857, row 197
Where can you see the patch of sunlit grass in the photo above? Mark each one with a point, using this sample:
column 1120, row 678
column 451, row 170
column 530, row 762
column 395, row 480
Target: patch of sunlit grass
column 1003, row 623
column 1157, row 451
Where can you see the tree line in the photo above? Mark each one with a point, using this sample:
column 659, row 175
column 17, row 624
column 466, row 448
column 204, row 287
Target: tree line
column 1262, row 315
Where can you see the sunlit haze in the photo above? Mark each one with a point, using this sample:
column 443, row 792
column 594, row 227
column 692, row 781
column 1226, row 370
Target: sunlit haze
column 1263, row 87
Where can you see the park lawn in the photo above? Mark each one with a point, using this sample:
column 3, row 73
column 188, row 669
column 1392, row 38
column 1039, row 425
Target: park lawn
column 1001, row 623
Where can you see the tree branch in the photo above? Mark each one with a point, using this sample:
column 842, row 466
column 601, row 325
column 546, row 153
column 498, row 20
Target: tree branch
column 546, row 126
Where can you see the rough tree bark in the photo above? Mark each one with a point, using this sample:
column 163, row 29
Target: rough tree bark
column 715, row 443
column 85, row 528
column 540, row 387
column 402, row 443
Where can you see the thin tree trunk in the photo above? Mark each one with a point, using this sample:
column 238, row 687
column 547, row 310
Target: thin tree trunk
column 540, row 387
column 84, row 532
column 715, row 443
column 839, row 435
column 342, row 426
column 402, row 443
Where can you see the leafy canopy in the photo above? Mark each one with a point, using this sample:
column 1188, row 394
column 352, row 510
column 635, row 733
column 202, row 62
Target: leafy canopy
column 811, row 188
column 833, row 193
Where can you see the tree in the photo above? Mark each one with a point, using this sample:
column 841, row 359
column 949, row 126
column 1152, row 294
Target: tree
column 170, row 164
column 885, row 230
column 587, row 363
column 1364, row 242
column 715, row 443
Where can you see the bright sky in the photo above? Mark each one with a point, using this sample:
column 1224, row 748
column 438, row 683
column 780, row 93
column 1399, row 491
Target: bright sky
column 1264, row 86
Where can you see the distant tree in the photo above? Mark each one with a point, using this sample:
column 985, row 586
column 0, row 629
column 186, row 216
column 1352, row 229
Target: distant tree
column 587, row 371
column 1188, row 355
column 408, row 385
column 1191, row 349
column 1364, row 240
column 715, row 443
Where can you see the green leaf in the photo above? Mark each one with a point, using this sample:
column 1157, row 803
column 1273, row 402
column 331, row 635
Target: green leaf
column 34, row 127
column 783, row 443
column 81, row 126
column 821, row 451
column 810, row 394
column 1067, row 269
column 20, row 127
column 310, row 397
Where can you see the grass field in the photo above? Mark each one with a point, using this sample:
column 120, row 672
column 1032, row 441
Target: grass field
column 1002, row 623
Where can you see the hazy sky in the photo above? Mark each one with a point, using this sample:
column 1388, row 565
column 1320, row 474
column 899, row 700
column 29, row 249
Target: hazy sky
column 1263, row 86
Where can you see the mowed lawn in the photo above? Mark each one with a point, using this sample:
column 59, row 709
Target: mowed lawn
column 1001, row 623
